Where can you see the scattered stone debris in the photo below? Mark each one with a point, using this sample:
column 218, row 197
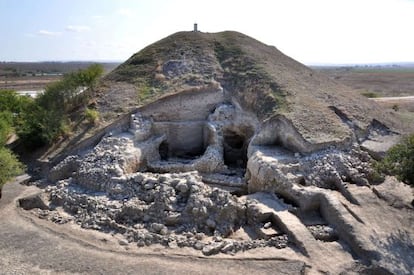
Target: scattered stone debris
column 131, row 184
column 323, row 232
column 102, row 190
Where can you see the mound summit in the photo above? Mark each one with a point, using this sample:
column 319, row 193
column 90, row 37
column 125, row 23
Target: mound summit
column 256, row 78
column 223, row 144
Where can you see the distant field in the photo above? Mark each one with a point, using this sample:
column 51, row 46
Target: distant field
column 390, row 87
column 26, row 76
column 26, row 83
column 375, row 81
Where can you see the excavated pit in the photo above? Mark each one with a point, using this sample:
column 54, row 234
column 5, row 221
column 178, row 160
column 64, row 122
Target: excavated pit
column 317, row 225
column 222, row 183
column 184, row 155
column 167, row 198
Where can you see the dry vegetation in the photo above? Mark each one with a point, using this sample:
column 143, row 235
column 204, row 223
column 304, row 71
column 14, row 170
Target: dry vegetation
column 382, row 81
column 378, row 82
column 37, row 75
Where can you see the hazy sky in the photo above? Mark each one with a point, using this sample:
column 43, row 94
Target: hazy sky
column 311, row 31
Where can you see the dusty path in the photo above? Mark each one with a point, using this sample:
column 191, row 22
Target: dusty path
column 27, row 247
column 395, row 98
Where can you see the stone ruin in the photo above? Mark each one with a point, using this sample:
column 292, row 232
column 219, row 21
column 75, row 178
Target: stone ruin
column 194, row 171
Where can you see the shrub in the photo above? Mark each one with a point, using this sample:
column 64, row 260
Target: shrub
column 399, row 161
column 370, row 94
column 14, row 105
column 47, row 118
column 6, row 128
column 40, row 127
column 9, row 166
column 91, row 115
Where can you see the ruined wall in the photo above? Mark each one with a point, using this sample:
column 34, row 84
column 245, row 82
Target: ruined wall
column 181, row 118
column 186, row 106
column 182, row 138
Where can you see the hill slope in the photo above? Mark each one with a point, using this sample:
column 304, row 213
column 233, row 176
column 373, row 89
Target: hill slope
column 258, row 77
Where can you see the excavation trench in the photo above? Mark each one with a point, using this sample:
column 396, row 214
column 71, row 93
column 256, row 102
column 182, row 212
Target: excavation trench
column 204, row 174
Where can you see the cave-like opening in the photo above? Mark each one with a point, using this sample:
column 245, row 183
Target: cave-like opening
column 163, row 150
column 167, row 152
column 235, row 149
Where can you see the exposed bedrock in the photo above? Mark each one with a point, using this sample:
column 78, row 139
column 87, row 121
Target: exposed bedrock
column 311, row 183
column 279, row 131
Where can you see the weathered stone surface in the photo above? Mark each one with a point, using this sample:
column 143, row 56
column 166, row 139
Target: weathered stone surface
column 213, row 248
column 32, row 202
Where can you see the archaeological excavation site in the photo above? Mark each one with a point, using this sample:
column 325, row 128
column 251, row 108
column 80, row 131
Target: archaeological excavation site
column 216, row 145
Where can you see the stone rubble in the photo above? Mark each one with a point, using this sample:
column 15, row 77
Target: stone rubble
column 152, row 208
column 323, row 232
column 122, row 186
column 175, row 209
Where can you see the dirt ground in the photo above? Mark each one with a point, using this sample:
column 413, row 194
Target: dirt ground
column 391, row 88
column 383, row 82
column 27, row 83
column 29, row 245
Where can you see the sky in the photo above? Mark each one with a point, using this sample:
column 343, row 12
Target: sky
column 310, row 31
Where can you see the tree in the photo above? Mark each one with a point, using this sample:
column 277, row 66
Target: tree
column 44, row 120
column 41, row 126
column 14, row 104
column 9, row 101
column 90, row 75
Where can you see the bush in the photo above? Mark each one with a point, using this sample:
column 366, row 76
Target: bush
column 9, row 166
column 14, row 105
column 11, row 107
column 370, row 94
column 91, row 115
column 399, row 161
column 6, row 129
column 48, row 117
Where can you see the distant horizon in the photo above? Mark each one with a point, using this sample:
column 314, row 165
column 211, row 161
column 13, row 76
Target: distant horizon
column 64, row 61
column 316, row 64
column 311, row 32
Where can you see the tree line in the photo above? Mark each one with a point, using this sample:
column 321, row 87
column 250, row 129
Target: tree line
column 41, row 121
